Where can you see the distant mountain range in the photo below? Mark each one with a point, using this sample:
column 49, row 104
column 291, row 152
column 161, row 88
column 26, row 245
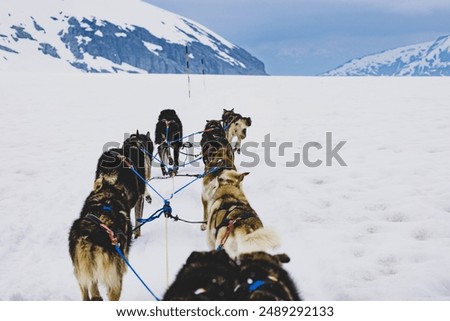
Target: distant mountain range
column 113, row 36
column 425, row 59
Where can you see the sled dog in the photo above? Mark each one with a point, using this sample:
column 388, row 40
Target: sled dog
column 216, row 150
column 232, row 224
column 169, row 134
column 104, row 220
column 262, row 278
column 114, row 168
column 206, row 276
column 235, row 126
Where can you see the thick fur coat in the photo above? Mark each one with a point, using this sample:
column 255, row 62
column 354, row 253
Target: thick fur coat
column 235, row 127
column 206, row 276
column 94, row 256
column 168, row 135
column 262, row 278
column 232, row 224
column 114, row 168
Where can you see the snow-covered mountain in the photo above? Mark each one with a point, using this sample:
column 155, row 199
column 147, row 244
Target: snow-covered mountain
column 112, row 36
column 425, row 59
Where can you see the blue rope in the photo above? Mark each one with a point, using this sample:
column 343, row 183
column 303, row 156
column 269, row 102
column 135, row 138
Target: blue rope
column 169, row 168
column 147, row 183
column 187, row 136
column 135, row 273
column 186, row 185
column 151, row 218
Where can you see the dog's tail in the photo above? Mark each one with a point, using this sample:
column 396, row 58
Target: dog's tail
column 262, row 239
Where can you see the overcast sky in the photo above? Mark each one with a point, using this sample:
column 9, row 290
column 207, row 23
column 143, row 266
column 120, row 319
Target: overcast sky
column 308, row 37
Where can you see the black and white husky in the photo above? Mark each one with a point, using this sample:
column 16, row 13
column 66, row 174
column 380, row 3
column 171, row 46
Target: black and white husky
column 114, row 167
column 104, row 222
column 169, row 134
column 235, row 126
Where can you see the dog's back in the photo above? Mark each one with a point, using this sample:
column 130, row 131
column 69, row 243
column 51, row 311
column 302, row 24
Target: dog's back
column 168, row 128
column 231, row 222
column 262, row 278
column 216, row 149
column 113, row 167
column 93, row 255
column 206, row 276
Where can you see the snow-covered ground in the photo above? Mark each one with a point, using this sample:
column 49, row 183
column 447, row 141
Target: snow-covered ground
column 377, row 229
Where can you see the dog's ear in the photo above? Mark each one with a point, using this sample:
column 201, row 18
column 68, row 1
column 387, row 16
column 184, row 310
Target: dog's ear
column 137, row 132
column 148, row 135
column 194, row 257
column 241, row 176
column 282, row 258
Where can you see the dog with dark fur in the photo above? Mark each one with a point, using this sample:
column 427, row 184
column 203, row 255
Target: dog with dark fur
column 216, row 150
column 262, row 278
column 206, row 276
column 235, row 126
column 104, row 222
column 114, row 167
column 217, row 156
column 169, row 134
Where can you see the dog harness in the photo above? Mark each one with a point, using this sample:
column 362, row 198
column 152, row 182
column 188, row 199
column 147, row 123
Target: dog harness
column 96, row 220
column 256, row 285
column 230, row 224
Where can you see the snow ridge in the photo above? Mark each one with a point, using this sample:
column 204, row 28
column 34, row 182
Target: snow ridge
column 124, row 35
column 424, row 59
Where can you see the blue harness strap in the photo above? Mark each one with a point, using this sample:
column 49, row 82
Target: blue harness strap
column 256, row 285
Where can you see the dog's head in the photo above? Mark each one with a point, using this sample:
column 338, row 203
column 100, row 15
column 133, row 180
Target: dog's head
column 139, row 140
column 231, row 177
column 167, row 114
column 213, row 125
column 262, row 277
column 227, row 114
column 205, row 276
column 247, row 121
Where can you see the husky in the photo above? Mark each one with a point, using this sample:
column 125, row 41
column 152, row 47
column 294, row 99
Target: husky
column 169, row 133
column 217, row 156
column 206, row 276
column 262, row 278
column 235, row 126
column 104, row 221
column 216, row 149
column 232, row 224
column 114, row 167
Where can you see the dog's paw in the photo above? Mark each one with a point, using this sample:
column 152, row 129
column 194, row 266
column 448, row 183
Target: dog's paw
column 238, row 150
column 148, row 199
column 203, row 227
